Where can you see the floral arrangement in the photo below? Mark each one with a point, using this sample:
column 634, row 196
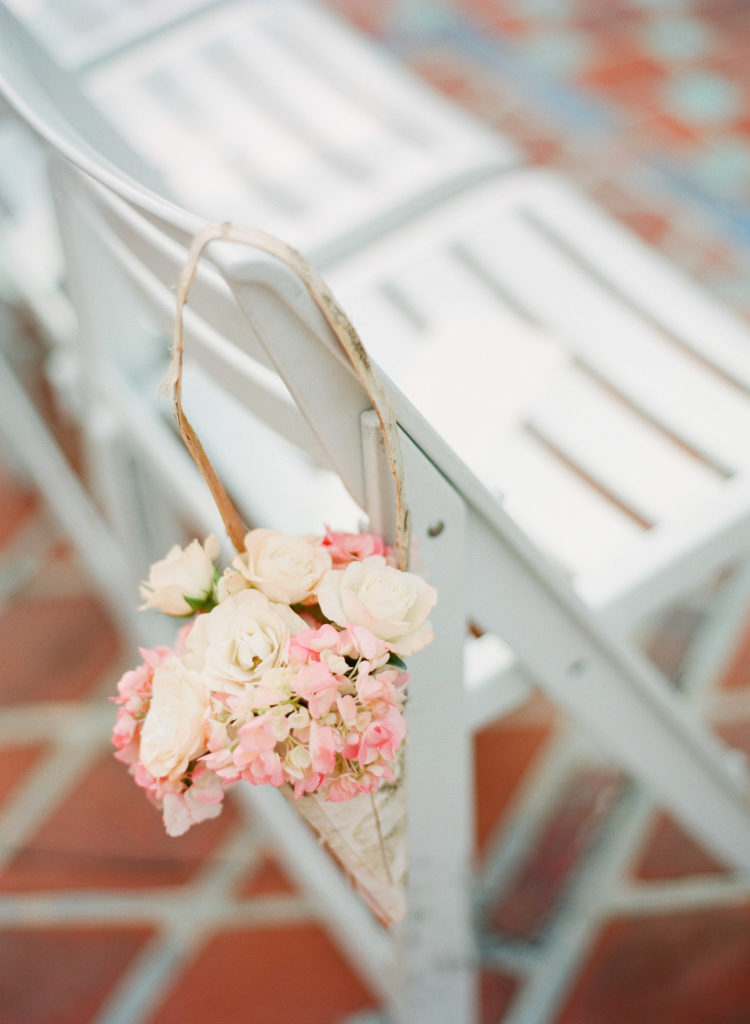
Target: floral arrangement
column 289, row 672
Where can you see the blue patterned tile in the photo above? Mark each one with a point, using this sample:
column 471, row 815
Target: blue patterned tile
column 678, row 39
column 725, row 166
column 559, row 53
column 702, row 97
column 663, row 5
column 558, row 10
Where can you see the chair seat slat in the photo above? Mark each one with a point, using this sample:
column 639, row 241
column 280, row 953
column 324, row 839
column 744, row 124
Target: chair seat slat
column 584, row 529
column 626, row 456
column 625, row 349
column 660, row 289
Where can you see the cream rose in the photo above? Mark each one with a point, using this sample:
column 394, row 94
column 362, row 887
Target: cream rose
column 240, row 638
column 172, row 733
column 230, row 583
column 285, row 569
column 187, row 573
column 393, row 605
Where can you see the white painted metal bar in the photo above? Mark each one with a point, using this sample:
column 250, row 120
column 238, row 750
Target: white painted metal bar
column 437, row 960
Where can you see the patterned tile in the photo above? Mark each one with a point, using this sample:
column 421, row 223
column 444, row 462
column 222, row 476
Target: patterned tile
column 669, row 80
column 559, row 53
column 702, row 97
column 676, row 40
column 737, row 675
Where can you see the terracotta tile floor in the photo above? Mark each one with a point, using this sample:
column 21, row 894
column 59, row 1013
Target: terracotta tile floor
column 103, row 920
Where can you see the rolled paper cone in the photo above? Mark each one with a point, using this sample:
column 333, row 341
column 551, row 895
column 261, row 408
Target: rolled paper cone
column 367, row 836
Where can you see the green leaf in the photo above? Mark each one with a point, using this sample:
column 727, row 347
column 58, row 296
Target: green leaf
column 200, row 604
column 397, row 662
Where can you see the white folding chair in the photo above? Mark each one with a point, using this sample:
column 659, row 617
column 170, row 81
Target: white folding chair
column 252, row 320
column 271, row 112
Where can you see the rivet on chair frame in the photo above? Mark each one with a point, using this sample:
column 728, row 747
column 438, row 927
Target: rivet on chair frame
column 576, row 668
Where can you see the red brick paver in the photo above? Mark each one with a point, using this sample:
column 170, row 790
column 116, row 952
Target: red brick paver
column 534, row 892
column 268, row 974
column 15, row 764
column 62, row 975
column 106, row 835
column 54, row 649
column 670, row 853
column 679, row 968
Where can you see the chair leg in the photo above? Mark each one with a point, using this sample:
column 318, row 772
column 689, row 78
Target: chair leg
column 436, row 944
column 717, row 636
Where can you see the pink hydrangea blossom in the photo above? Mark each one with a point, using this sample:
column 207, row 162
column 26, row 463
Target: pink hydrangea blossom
column 306, row 645
column 316, row 684
column 134, row 695
column 254, row 692
column 255, row 737
column 201, row 801
column 265, row 769
column 382, row 737
column 344, row 787
column 353, row 547
column 325, row 743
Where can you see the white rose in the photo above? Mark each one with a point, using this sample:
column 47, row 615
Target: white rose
column 231, row 582
column 187, row 573
column 393, row 605
column 172, row 733
column 240, row 638
column 286, row 569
